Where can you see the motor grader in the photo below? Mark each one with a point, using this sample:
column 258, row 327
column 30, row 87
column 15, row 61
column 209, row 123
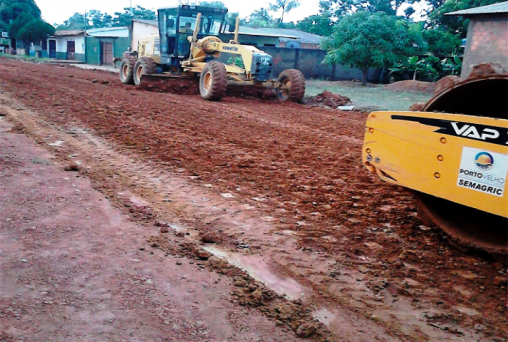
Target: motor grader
column 452, row 152
column 189, row 45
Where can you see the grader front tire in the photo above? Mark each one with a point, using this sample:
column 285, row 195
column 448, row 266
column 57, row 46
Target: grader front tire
column 144, row 65
column 213, row 81
column 127, row 70
column 291, row 86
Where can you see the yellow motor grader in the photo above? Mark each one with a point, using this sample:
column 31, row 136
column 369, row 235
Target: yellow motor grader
column 189, row 45
column 452, row 152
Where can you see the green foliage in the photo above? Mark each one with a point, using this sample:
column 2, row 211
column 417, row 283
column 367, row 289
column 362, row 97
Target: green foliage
column 261, row 18
column 441, row 42
column 425, row 68
column 35, row 31
column 451, row 66
column 11, row 9
column 214, row 4
column 16, row 26
column 454, row 24
column 320, row 24
column 339, row 8
column 366, row 40
column 236, row 61
column 98, row 19
column 76, row 22
column 430, row 68
column 124, row 19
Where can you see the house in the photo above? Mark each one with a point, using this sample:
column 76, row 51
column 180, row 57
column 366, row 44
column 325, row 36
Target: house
column 104, row 44
column 487, row 36
column 277, row 37
column 5, row 42
column 94, row 46
column 67, row 45
column 142, row 28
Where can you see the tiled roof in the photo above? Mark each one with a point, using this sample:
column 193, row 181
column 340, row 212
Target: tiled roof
column 109, row 32
column 149, row 22
column 501, row 7
column 284, row 34
column 63, row 33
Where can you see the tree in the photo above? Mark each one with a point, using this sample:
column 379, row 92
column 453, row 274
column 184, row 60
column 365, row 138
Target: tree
column 11, row 9
column 214, row 4
column 455, row 24
column 16, row 26
column 124, row 19
column 283, row 6
column 35, row 31
column 261, row 18
column 76, row 22
column 320, row 24
column 441, row 42
column 339, row 8
column 366, row 40
column 99, row 19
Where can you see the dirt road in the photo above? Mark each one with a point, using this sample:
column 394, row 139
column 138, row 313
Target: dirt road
column 283, row 192
column 74, row 268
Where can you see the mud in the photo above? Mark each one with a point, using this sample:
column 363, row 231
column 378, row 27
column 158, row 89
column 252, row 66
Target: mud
column 297, row 196
column 328, row 100
column 73, row 268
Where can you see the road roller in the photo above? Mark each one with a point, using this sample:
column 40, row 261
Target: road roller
column 452, row 153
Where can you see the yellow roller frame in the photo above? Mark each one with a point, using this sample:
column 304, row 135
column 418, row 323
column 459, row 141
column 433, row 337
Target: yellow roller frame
column 424, row 152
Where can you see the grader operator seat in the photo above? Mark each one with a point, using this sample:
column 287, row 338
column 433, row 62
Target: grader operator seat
column 177, row 24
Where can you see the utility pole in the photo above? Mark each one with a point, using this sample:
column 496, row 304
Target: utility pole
column 132, row 12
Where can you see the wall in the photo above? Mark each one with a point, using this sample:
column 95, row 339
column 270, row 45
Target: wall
column 309, row 62
column 61, row 47
column 302, row 45
column 93, row 45
column 487, row 38
column 139, row 30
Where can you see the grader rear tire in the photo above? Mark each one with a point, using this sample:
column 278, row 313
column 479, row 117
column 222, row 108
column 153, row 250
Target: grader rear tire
column 213, row 81
column 292, row 86
column 144, row 65
column 127, row 70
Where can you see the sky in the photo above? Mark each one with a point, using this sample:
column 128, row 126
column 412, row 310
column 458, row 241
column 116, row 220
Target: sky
column 57, row 11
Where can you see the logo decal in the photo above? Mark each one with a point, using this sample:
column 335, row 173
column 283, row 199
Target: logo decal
column 483, row 171
column 484, row 161
column 490, row 134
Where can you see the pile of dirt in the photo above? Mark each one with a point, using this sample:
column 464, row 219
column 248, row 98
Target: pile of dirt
column 410, row 85
column 327, row 99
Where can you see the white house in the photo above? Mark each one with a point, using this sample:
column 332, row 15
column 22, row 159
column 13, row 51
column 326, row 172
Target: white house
column 68, row 45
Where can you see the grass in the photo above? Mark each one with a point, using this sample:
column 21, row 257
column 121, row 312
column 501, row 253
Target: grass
column 26, row 58
column 371, row 97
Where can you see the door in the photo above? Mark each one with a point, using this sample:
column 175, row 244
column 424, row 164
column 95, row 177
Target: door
column 71, row 50
column 52, row 49
column 107, row 53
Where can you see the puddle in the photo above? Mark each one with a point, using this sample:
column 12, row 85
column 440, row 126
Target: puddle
column 139, row 202
column 467, row 311
column 259, row 270
column 324, row 315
